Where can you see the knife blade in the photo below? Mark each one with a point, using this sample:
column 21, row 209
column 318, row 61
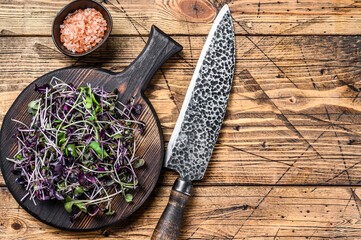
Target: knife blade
column 200, row 119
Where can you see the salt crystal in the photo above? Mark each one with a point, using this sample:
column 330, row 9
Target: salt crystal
column 82, row 30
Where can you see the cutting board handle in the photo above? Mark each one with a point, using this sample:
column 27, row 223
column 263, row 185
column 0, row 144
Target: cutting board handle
column 159, row 48
column 170, row 222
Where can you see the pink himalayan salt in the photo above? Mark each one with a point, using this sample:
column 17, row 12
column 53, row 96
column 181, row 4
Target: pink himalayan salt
column 82, row 30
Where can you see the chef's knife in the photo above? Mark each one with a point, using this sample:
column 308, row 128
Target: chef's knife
column 200, row 119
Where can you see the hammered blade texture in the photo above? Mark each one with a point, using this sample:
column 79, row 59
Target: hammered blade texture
column 207, row 106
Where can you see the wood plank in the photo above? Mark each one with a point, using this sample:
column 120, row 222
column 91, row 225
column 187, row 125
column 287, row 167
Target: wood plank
column 219, row 213
column 194, row 17
column 293, row 115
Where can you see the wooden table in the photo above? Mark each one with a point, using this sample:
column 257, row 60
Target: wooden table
column 287, row 162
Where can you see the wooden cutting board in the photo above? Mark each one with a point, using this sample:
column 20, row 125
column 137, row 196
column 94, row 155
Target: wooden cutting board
column 130, row 83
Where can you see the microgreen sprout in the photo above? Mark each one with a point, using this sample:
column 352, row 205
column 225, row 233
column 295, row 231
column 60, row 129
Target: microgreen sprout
column 79, row 148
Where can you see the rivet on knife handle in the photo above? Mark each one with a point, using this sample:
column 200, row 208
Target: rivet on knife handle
column 170, row 222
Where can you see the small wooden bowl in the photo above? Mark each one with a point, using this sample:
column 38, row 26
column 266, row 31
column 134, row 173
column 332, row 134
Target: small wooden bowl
column 70, row 8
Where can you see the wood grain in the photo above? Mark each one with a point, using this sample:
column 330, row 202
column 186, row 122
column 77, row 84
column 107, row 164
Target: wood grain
column 293, row 115
column 194, row 17
column 221, row 213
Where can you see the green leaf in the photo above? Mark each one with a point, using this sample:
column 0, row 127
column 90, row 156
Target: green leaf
column 96, row 146
column 117, row 136
column 138, row 163
column 57, row 121
column 78, row 191
column 68, row 198
column 94, row 117
column 94, row 99
column 68, row 206
column 97, row 109
column 128, row 197
column 61, row 140
column 71, row 149
column 68, row 203
column 62, row 185
column 61, row 136
column 88, row 103
column 61, row 143
column 109, row 182
column 87, row 89
column 33, row 106
column 81, row 206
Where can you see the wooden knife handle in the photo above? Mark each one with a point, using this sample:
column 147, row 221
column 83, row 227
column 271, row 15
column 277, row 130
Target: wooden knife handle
column 170, row 222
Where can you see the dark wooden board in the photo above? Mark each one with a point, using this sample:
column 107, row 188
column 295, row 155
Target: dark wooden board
column 131, row 83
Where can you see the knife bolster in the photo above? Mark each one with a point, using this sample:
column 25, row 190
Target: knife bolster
column 183, row 186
